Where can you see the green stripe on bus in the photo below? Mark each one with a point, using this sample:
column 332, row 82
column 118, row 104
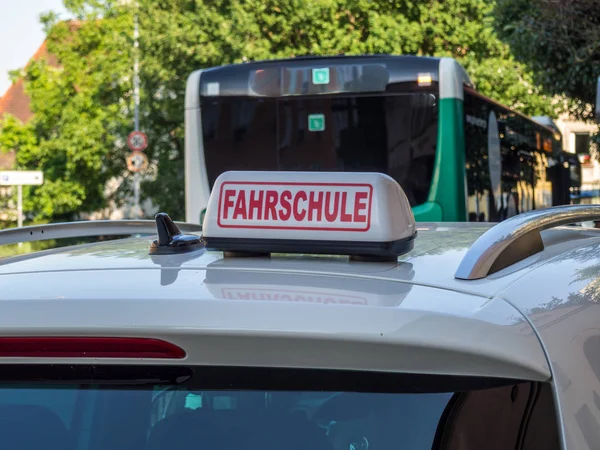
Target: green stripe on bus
column 447, row 196
column 427, row 212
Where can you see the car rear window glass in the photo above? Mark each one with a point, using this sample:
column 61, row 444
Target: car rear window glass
column 184, row 414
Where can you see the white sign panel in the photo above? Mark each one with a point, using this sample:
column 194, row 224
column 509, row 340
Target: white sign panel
column 296, row 206
column 21, row 177
column 301, row 206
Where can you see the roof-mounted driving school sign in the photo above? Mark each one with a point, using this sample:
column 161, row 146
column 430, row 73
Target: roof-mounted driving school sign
column 137, row 141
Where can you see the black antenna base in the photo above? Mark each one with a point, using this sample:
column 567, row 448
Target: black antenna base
column 170, row 240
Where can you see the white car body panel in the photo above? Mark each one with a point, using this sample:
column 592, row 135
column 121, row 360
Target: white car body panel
column 535, row 320
column 561, row 299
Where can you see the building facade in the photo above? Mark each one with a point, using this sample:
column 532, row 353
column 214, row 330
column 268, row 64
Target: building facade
column 576, row 139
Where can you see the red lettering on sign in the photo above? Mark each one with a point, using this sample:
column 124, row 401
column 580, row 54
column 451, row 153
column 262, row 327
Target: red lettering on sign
column 331, row 216
column 290, row 205
column 315, row 205
column 270, row 205
column 228, row 202
column 298, row 213
column 256, row 204
column 359, row 206
column 240, row 206
column 345, row 216
column 286, row 212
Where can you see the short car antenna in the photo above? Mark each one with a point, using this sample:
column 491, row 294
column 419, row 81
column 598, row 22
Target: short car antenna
column 171, row 240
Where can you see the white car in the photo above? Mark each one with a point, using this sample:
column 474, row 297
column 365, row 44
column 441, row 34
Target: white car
column 311, row 313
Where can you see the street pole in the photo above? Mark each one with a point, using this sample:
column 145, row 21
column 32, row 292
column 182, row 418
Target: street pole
column 136, row 80
column 19, row 206
column 136, row 106
column 20, row 209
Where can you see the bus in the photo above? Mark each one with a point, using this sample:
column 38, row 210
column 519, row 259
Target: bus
column 458, row 155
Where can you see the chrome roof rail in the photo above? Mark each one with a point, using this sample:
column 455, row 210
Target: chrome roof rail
column 517, row 238
column 89, row 228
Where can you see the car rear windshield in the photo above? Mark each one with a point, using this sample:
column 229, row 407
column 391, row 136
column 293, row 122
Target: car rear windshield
column 112, row 413
column 390, row 133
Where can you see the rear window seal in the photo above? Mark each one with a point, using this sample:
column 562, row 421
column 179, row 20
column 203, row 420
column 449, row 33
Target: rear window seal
column 244, row 378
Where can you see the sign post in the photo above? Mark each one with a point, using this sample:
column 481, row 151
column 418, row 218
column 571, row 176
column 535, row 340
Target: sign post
column 20, row 205
column 136, row 162
column 137, row 141
column 21, row 178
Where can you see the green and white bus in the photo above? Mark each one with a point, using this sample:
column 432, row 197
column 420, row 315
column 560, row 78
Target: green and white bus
column 457, row 154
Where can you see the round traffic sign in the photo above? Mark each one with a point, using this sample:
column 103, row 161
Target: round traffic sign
column 137, row 161
column 137, row 141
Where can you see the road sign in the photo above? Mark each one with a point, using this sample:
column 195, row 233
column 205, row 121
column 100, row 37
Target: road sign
column 137, row 161
column 316, row 122
column 137, row 141
column 320, row 76
column 21, row 177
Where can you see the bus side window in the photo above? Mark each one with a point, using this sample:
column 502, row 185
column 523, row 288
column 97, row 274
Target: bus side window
column 476, row 158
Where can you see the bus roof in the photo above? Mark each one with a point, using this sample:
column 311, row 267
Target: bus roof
column 376, row 73
column 427, row 61
column 543, row 122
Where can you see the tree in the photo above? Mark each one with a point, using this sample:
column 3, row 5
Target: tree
column 559, row 40
column 77, row 131
column 83, row 112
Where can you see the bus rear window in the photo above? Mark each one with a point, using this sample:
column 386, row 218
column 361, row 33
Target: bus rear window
column 393, row 133
column 345, row 78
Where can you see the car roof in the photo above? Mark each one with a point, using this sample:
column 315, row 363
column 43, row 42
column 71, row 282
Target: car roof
column 438, row 251
column 439, row 246
column 363, row 315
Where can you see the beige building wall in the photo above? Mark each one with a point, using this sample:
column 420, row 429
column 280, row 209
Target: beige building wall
column 590, row 172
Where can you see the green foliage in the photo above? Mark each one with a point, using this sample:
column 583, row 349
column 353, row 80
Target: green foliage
column 16, row 135
column 76, row 136
column 84, row 109
column 559, row 42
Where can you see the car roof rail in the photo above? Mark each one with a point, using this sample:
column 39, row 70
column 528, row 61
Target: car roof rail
column 517, row 238
column 90, row 228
